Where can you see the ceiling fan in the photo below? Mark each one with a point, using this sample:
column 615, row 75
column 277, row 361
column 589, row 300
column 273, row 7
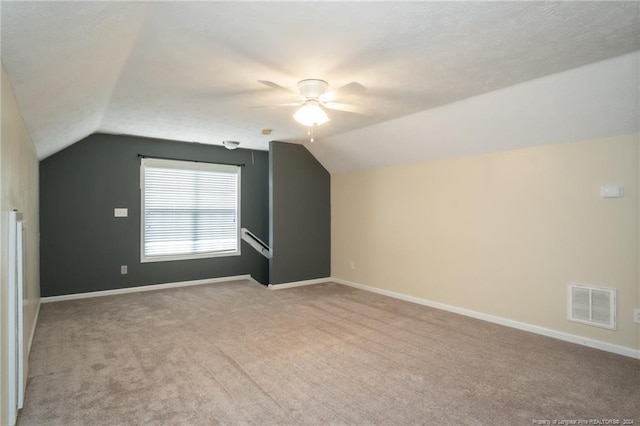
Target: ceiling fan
column 313, row 99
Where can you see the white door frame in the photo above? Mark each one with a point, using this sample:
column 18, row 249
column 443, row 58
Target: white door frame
column 15, row 318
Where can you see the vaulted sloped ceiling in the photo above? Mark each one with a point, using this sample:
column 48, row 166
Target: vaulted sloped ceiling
column 188, row 71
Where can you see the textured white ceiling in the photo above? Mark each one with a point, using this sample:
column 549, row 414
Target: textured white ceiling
column 593, row 101
column 188, row 70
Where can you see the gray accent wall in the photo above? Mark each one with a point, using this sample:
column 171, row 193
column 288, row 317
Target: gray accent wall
column 83, row 245
column 300, row 215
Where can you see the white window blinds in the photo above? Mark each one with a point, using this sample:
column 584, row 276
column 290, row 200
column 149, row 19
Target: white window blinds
column 189, row 210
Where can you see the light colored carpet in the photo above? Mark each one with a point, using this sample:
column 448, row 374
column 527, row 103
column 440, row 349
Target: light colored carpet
column 237, row 353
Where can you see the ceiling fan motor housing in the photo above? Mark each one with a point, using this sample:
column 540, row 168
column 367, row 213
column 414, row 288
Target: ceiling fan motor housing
column 312, row 88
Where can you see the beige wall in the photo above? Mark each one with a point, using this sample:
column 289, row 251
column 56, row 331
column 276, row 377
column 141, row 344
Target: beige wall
column 18, row 190
column 500, row 234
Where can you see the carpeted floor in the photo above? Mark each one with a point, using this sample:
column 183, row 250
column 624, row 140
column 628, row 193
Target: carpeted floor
column 238, row 353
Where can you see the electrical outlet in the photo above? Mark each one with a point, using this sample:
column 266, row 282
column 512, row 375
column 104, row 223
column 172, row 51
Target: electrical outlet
column 123, row 269
column 352, row 265
column 636, row 315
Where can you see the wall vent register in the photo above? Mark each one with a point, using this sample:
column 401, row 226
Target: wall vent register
column 592, row 305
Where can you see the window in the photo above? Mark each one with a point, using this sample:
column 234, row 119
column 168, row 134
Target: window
column 189, row 210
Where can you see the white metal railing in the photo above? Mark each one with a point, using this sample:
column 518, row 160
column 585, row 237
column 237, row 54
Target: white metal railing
column 255, row 242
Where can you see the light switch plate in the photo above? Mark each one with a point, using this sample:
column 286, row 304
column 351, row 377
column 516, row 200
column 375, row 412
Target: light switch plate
column 611, row 191
column 120, row 212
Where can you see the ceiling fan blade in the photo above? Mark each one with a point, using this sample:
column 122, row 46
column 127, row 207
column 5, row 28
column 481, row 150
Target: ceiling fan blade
column 273, row 85
column 355, row 109
column 353, row 88
column 292, row 104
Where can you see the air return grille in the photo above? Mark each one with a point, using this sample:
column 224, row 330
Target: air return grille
column 592, row 305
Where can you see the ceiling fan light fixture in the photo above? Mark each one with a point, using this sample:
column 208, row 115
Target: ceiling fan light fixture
column 311, row 113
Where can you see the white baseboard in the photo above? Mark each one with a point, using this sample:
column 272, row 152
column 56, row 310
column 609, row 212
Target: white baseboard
column 151, row 287
column 596, row 344
column 299, row 283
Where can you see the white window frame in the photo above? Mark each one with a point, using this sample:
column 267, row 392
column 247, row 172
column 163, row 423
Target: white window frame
column 187, row 165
